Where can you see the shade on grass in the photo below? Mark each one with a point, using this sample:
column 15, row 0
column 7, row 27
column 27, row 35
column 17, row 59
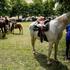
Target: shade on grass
column 16, row 53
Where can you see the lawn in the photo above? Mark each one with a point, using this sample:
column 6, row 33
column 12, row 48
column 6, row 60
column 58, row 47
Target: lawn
column 16, row 53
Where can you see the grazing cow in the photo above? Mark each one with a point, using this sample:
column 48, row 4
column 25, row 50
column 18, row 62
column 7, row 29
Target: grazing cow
column 7, row 24
column 17, row 26
column 3, row 27
column 54, row 34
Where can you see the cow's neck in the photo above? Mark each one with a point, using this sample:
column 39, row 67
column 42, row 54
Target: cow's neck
column 64, row 19
column 68, row 17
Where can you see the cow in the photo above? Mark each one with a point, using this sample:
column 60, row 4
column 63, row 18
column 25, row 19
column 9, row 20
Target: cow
column 54, row 33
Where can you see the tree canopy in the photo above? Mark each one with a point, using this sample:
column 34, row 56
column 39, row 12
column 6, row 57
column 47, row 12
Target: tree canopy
column 36, row 8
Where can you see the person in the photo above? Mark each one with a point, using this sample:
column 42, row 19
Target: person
column 41, row 24
column 6, row 20
column 7, row 24
column 67, row 41
column 41, row 20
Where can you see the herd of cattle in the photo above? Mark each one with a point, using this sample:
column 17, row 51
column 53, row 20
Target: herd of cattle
column 8, row 25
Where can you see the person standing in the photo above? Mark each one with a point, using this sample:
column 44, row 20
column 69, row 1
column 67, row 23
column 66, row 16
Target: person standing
column 67, row 41
column 7, row 24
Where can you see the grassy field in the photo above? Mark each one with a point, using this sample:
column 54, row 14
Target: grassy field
column 16, row 53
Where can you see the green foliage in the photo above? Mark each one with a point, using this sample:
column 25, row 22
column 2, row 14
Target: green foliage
column 20, row 7
column 38, row 7
column 3, row 5
column 65, row 6
column 48, row 7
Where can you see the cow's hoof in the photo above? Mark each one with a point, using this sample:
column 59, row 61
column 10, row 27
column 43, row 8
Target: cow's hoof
column 49, row 62
column 34, row 52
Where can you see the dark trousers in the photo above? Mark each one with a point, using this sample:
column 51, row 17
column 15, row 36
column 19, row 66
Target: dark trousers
column 67, row 47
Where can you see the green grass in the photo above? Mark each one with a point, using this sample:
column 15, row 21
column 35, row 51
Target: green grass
column 16, row 53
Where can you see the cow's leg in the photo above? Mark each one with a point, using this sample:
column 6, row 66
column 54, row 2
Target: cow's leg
column 55, row 50
column 22, row 29
column 33, row 43
column 19, row 30
column 13, row 31
column 3, row 32
column 50, row 46
column 56, row 45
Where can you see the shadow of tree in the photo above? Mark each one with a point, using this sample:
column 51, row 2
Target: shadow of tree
column 55, row 65
column 17, row 34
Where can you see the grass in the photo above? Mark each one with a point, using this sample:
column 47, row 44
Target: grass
column 16, row 53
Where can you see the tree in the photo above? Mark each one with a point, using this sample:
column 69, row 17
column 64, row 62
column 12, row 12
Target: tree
column 65, row 6
column 3, row 7
column 18, row 7
column 36, row 8
column 25, row 8
column 48, row 7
